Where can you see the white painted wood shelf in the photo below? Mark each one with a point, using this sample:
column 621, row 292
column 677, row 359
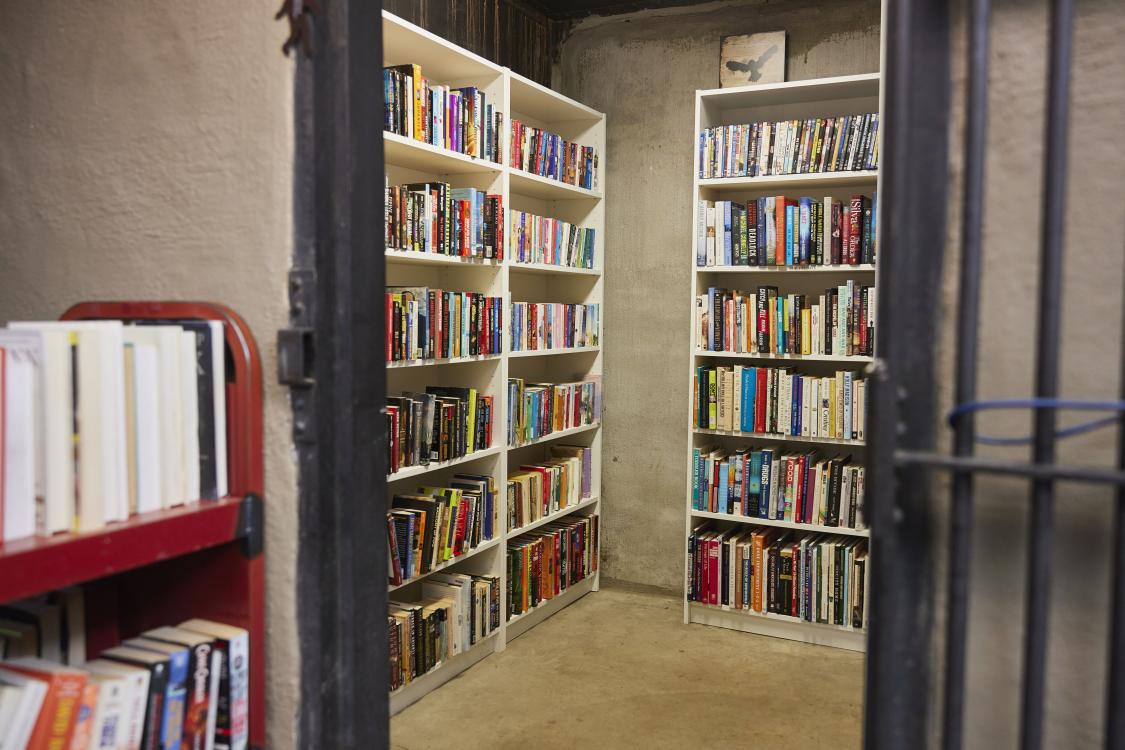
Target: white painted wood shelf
column 408, row 161
column 824, row 97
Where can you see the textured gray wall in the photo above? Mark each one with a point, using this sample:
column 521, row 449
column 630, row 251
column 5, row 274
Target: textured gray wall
column 642, row 70
column 146, row 152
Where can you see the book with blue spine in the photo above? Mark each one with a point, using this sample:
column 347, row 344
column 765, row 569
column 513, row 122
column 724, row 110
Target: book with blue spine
column 695, row 479
column 789, row 233
column 754, row 491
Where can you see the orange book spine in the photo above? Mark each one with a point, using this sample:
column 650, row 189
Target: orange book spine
column 779, row 225
column 60, row 707
column 757, row 573
column 84, row 722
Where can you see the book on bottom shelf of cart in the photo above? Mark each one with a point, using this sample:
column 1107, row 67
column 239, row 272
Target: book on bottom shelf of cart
column 780, row 401
column 439, row 524
column 546, row 562
column 768, row 483
column 104, row 420
column 169, row 685
column 818, row 578
column 453, row 613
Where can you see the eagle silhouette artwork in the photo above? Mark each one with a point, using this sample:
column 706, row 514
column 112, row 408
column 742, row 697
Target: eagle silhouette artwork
column 754, row 67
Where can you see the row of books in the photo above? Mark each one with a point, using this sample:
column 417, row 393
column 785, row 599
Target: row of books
column 170, row 688
column 544, row 563
column 779, row 401
column 459, row 119
column 102, row 420
column 541, row 239
column 814, row 577
column 454, row 613
column 540, row 488
column 780, row 231
column 536, row 410
column 546, row 154
column 427, row 323
column 444, row 423
column 438, row 524
column 839, row 322
column 823, row 144
column 432, row 217
column 770, row 484
column 554, row 325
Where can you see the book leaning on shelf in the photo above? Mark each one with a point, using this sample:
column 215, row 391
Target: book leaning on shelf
column 757, row 149
column 544, row 563
column 814, row 577
column 441, row 424
column 439, row 524
column 840, row 322
column 788, row 232
column 453, row 613
column 779, row 401
column 426, row 323
column 554, row 325
column 459, row 119
column 779, row 485
column 540, row 488
column 433, row 217
column 536, row 410
column 546, row 154
column 171, row 687
column 538, row 239
column 103, row 420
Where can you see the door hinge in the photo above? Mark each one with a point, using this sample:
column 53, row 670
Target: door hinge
column 296, row 345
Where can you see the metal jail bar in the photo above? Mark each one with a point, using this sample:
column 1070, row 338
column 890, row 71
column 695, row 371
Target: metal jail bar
column 901, row 675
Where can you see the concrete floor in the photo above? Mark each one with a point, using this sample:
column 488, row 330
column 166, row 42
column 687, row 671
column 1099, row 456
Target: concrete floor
column 619, row 669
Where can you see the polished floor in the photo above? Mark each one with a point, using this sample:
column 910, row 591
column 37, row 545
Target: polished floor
column 619, row 669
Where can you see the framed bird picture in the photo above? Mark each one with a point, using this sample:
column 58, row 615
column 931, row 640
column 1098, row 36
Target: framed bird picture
column 752, row 58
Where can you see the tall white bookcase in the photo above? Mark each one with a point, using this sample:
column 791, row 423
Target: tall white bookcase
column 824, row 97
column 408, row 160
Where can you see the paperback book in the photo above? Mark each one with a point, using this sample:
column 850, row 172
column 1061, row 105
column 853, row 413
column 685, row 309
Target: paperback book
column 426, row 323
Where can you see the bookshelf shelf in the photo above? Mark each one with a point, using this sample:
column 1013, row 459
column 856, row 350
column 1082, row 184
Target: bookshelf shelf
column 561, row 513
column 418, row 471
column 437, row 259
column 788, row 101
column 546, row 352
column 423, row 157
column 786, row 357
column 556, row 436
column 548, row 268
column 534, row 186
column 410, row 161
column 752, row 521
column 483, row 547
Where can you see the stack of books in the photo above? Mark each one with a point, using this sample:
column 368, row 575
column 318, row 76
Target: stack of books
column 554, row 325
column 441, row 424
column 840, row 322
column 459, row 119
column 757, row 149
column 771, row 484
column 439, row 524
column 536, row 410
column 103, row 420
column 813, row 577
column 539, row 239
column 453, row 613
column 544, row 563
column 426, row 323
column 549, row 155
column 792, row 232
column 171, row 687
column 541, row 488
column 779, row 401
column 432, row 217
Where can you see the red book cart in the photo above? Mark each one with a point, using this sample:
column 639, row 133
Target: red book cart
column 200, row 560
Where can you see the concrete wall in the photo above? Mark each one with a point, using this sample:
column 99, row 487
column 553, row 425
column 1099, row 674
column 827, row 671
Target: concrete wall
column 145, row 152
column 1094, row 278
column 642, row 70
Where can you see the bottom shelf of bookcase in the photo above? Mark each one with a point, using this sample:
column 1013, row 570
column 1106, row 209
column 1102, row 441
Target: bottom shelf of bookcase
column 520, row 624
column 778, row 626
column 413, row 691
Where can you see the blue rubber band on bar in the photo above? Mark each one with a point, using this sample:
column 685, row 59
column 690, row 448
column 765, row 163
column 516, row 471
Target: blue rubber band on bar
column 1040, row 403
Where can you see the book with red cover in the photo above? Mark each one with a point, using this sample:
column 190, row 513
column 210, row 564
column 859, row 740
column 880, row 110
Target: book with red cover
column 61, row 705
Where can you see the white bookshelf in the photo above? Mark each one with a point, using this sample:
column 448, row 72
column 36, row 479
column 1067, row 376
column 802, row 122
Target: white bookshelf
column 408, row 160
column 824, row 97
